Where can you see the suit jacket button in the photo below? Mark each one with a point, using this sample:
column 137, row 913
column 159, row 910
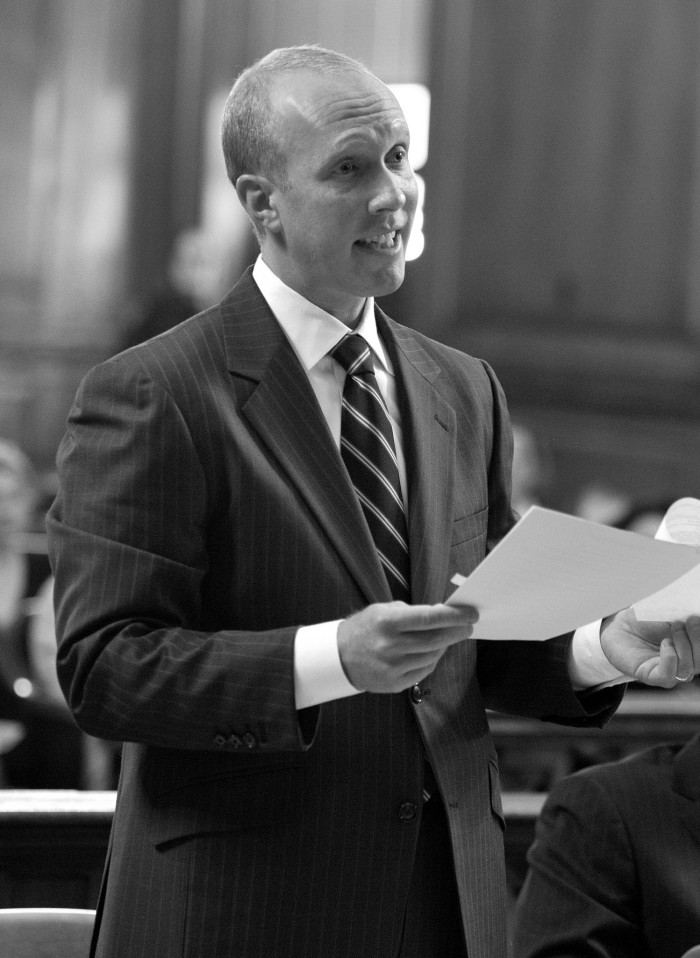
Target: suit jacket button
column 249, row 740
column 234, row 741
column 416, row 694
column 408, row 811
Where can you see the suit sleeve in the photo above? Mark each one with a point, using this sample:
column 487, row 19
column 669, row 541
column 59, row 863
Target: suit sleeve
column 580, row 898
column 127, row 537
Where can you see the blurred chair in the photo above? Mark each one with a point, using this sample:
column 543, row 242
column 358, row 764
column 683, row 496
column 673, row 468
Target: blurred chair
column 45, row 932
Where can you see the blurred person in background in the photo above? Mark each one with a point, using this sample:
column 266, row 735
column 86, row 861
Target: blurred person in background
column 645, row 517
column 22, row 567
column 40, row 743
column 533, row 473
column 194, row 281
column 603, row 503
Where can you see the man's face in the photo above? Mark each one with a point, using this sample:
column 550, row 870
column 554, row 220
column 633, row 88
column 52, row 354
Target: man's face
column 346, row 210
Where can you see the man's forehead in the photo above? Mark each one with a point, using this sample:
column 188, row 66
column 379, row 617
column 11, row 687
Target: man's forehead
column 341, row 101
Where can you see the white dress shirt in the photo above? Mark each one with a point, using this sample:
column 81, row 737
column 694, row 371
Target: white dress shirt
column 312, row 332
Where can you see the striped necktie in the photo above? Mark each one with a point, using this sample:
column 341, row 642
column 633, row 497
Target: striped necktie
column 367, row 448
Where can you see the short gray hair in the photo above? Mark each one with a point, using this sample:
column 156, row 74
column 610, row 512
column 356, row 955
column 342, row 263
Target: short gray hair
column 248, row 134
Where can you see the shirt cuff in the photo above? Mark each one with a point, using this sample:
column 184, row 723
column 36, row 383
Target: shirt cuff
column 318, row 673
column 589, row 666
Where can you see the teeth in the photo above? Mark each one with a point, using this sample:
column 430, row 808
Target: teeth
column 383, row 240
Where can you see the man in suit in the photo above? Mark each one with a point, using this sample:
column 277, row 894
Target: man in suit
column 307, row 768
column 615, row 867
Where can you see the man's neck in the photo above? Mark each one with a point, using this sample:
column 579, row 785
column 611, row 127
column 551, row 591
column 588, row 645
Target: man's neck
column 349, row 315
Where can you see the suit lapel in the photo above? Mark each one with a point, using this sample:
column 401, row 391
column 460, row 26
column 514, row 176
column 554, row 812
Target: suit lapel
column 429, row 442
column 285, row 414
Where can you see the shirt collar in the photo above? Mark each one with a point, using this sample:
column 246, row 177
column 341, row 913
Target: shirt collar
column 311, row 330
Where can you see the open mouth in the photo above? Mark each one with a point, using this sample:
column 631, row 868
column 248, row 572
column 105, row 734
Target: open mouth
column 383, row 241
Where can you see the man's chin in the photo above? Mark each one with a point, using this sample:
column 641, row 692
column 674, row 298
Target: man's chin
column 389, row 281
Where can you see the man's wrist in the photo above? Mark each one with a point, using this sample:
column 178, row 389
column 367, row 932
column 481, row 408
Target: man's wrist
column 588, row 664
column 319, row 675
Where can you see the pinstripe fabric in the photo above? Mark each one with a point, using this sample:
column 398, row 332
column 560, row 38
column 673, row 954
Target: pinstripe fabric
column 615, row 869
column 203, row 515
column 368, row 451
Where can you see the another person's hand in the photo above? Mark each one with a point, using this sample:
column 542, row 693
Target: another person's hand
column 655, row 653
column 391, row 646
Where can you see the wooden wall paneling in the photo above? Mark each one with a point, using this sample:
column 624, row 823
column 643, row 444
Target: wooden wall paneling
column 389, row 36
column 226, row 53
column 174, row 78
column 226, row 43
column 431, row 297
column 579, row 167
column 562, row 157
column 111, row 159
column 19, row 290
column 65, row 126
column 20, row 55
column 691, row 263
column 645, row 459
column 189, row 111
column 562, row 217
column 159, row 157
column 82, row 222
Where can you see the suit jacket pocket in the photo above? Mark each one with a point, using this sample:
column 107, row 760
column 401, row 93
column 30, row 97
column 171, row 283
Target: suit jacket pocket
column 252, row 797
column 470, row 527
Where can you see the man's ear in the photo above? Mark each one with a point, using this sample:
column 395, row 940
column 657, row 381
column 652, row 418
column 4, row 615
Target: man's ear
column 256, row 193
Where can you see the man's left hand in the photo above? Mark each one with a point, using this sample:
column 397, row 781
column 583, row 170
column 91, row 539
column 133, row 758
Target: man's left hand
column 655, row 653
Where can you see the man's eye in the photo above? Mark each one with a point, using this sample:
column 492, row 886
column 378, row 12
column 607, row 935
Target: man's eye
column 347, row 166
column 399, row 155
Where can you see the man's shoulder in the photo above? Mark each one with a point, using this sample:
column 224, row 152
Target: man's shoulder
column 201, row 335
column 622, row 780
column 183, row 361
column 448, row 357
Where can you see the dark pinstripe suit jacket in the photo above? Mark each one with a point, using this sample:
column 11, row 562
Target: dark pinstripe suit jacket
column 615, row 868
column 204, row 514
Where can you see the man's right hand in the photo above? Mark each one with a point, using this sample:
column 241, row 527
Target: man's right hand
column 391, row 646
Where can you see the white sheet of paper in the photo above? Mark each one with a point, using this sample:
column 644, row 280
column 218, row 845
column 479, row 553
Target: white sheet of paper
column 682, row 597
column 554, row 572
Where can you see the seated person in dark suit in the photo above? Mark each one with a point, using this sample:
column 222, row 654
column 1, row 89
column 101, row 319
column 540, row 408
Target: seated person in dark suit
column 615, row 866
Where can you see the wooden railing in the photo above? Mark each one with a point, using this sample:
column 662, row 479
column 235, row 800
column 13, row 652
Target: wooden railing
column 644, row 717
column 53, row 844
column 533, row 755
column 52, row 847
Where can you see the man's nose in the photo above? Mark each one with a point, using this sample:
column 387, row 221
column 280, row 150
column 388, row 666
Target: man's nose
column 389, row 193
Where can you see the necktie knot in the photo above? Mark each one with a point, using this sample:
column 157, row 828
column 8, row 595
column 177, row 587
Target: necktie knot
column 354, row 355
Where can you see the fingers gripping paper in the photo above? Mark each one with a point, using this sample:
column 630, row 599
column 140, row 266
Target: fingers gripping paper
column 554, row 572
